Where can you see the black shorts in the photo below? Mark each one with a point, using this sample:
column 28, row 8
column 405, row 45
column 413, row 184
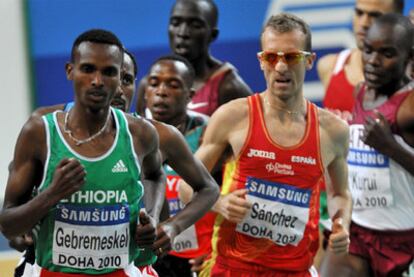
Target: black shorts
column 172, row 266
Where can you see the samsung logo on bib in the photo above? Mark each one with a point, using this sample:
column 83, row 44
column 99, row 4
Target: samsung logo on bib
column 261, row 154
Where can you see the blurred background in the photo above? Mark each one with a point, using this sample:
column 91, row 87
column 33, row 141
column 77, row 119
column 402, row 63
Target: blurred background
column 37, row 35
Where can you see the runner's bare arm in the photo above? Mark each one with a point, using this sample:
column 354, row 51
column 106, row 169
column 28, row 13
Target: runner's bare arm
column 146, row 144
column 335, row 144
column 224, row 131
column 208, row 153
column 20, row 243
column 19, row 214
column 339, row 197
column 190, row 169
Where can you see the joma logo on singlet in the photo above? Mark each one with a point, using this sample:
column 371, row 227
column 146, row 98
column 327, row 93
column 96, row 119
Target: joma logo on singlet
column 303, row 160
column 261, row 154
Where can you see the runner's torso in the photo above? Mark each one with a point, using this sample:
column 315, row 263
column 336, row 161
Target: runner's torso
column 281, row 230
column 92, row 231
column 382, row 190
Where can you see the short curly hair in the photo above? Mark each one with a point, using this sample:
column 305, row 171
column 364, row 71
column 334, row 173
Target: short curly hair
column 97, row 36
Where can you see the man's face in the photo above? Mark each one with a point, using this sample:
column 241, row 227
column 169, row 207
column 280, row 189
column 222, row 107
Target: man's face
column 125, row 92
column 190, row 30
column 384, row 57
column 167, row 92
column 365, row 12
column 95, row 73
column 285, row 78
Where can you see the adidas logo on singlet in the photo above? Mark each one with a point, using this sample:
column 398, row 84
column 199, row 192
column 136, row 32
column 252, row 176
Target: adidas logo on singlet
column 119, row 167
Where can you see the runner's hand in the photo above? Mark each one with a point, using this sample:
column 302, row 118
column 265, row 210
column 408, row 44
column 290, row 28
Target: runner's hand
column 164, row 240
column 20, row 243
column 145, row 233
column 197, row 263
column 233, row 206
column 339, row 238
column 377, row 134
column 69, row 177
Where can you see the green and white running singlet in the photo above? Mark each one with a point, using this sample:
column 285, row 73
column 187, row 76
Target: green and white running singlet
column 92, row 231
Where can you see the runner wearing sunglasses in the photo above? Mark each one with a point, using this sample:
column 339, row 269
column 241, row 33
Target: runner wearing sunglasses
column 291, row 58
column 269, row 211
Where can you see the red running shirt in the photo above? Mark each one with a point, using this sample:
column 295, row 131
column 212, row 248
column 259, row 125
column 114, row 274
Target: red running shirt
column 339, row 93
column 389, row 108
column 281, row 231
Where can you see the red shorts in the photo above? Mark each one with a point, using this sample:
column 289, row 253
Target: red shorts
column 223, row 268
column 148, row 271
column 389, row 253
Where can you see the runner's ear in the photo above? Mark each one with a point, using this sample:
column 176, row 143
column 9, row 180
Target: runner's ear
column 214, row 34
column 69, row 71
column 191, row 94
column 261, row 63
column 310, row 60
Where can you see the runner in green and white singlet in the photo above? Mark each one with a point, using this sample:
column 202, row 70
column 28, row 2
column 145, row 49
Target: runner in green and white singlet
column 174, row 150
column 87, row 165
column 93, row 228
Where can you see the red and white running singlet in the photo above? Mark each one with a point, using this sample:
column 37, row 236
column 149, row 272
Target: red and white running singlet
column 339, row 92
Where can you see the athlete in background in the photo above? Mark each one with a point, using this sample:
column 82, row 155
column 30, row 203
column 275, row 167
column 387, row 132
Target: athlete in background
column 192, row 28
column 168, row 90
column 341, row 72
column 380, row 161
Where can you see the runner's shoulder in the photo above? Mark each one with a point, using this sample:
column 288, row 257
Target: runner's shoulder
column 231, row 112
column 336, row 128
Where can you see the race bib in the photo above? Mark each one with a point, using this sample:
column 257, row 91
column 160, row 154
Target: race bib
column 187, row 240
column 369, row 174
column 91, row 237
column 280, row 212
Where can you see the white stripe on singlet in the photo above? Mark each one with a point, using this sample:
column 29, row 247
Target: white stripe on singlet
column 340, row 61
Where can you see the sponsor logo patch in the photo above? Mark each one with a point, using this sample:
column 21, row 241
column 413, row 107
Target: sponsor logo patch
column 261, row 154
